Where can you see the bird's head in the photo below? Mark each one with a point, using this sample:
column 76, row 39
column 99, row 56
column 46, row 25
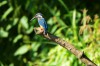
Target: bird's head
column 38, row 16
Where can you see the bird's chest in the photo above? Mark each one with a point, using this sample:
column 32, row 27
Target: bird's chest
column 41, row 22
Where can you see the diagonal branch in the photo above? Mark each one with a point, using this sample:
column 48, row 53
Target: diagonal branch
column 79, row 54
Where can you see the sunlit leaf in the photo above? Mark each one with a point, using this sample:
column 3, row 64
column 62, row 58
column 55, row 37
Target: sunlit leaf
column 3, row 3
column 7, row 12
column 15, row 21
column 1, row 64
column 3, row 33
column 22, row 50
column 60, row 29
column 29, row 30
column 61, row 22
column 24, row 22
column 57, row 13
column 12, row 64
column 17, row 38
column 54, row 28
column 35, row 46
column 8, row 27
column 50, row 21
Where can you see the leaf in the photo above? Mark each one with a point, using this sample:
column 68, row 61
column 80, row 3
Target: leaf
column 60, row 29
column 64, row 5
column 3, row 3
column 3, row 33
column 54, row 28
column 57, row 13
column 15, row 21
column 22, row 50
column 17, row 38
column 8, row 27
column 50, row 21
column 7, row 13
column 29, row 30
column 24, row 22
column 35, row 46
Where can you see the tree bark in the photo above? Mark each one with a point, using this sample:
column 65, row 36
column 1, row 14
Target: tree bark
column 79, row 54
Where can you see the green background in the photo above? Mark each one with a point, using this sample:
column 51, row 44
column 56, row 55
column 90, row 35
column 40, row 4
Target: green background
column 76, row 21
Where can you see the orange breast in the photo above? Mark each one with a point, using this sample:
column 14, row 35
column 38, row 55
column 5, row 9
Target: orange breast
column 41, row 27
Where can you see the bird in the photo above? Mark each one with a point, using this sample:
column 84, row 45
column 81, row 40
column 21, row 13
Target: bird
column 41, row 21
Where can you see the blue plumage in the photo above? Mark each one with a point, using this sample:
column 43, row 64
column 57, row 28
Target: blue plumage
column 41, row 21
column 43, row 24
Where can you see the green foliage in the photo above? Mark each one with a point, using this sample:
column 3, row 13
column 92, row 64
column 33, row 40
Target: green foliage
column 67, row 19
column 22, row 50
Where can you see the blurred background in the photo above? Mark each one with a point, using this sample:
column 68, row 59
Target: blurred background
column 76, row 21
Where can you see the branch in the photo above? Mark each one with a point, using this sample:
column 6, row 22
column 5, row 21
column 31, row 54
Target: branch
column 79, row 54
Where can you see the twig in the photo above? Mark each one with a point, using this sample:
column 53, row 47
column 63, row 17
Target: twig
column 80, row 55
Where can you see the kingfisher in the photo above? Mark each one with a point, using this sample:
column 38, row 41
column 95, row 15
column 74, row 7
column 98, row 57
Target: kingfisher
column 41, row 21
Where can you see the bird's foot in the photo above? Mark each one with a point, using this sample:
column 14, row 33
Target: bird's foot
column 38, row 30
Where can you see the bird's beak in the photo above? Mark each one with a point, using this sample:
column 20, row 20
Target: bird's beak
column 33, row 18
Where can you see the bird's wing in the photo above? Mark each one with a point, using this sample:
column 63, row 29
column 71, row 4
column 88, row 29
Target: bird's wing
column 43, row 23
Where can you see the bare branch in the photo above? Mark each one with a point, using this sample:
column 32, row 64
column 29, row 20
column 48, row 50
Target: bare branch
column 79, row 54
